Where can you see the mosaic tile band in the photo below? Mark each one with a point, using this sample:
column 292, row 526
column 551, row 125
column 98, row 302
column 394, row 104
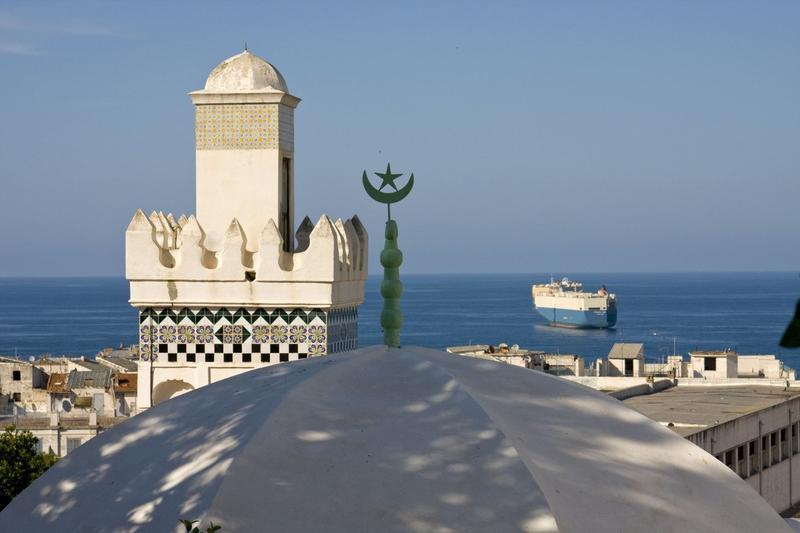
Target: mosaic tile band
column 236, row 126
column 214, row 335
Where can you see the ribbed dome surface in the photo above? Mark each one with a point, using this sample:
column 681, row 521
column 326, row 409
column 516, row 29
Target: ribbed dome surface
column 245, row 72
column 379, row 439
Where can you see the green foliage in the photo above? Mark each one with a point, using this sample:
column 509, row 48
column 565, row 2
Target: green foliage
column 20, row 463
column 191, row 528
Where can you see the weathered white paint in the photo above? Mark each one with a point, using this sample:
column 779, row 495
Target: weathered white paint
column 240, row 184
column 245, row 72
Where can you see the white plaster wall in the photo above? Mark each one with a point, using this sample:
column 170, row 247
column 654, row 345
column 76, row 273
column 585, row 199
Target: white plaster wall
column 726, row 367
column 616, row 367
column 607, row 382
column 752, row 365
column 245, row 293
column 774, row 483
column 241, row 184
column 125, row 403
column 336, row 251
column 218, row 373
column 197, row 375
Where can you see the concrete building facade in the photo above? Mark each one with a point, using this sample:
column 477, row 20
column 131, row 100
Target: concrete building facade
column 762, row 448
column 22, row 387
column 754, row 430
column 721, row 364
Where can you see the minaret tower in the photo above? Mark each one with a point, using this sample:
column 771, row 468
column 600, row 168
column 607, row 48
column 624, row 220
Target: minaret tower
column 244, row 131
column 237, row 287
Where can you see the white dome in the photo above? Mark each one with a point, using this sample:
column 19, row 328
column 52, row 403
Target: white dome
column 245, row 72
column 379, row 439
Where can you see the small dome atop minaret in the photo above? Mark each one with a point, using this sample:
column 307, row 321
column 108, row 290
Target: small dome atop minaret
column 245, row 72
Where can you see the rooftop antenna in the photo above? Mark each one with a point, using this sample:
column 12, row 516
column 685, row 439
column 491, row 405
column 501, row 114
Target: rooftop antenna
column 245, row 46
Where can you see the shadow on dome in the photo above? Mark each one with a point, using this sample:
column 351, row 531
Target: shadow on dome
column 402, row 439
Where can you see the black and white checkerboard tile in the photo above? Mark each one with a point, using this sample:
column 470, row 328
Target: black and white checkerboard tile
column 220, row 335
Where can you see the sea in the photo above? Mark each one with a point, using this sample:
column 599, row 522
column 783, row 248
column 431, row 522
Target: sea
column 747, row 312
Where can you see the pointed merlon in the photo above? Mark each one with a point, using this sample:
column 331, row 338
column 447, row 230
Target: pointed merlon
column 140, row 222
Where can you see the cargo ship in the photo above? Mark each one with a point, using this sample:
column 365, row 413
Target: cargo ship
column 564, row 303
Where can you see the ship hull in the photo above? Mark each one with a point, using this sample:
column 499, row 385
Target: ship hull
column 570, row 318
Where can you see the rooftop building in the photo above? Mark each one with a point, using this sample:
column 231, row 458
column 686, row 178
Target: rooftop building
column 754, row 430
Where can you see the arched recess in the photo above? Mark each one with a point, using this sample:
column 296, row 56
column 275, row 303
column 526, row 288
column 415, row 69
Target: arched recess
column 170, row 389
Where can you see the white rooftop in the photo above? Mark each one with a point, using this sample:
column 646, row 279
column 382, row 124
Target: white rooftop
column 245, row 72
column 379, row 439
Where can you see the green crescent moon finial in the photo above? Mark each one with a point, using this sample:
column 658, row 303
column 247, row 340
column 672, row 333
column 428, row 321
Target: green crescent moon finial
column 391, row 256
column 387, row 197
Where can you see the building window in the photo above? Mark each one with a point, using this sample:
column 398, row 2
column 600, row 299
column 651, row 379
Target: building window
column 795, row 445
column 764, row 453
column 710, row 363
column 773, row 442
column 285, row 217
column 741, row 461
column 39, row 447
column 72, row 444
column 729, row 460
column 16, row 397
column 784, row 444
column 16, row 375
column 628, row 367
column 753, row 459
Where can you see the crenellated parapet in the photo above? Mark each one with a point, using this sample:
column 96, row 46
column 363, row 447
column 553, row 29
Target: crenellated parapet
column 176, row 253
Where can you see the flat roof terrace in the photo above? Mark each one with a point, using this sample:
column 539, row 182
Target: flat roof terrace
column 694, row 408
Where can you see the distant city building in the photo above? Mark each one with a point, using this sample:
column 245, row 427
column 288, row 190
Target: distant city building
column 66, row 401
column 714, row 364
column 550, row 363
column 236, row 287
column 22, row 387
column 626, row 359
column 754, row 430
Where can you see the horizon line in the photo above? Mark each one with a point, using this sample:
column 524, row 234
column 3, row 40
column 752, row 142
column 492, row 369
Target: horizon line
column 517, row 273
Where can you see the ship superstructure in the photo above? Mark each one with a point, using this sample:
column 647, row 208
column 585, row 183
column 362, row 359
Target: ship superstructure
column 565, row 303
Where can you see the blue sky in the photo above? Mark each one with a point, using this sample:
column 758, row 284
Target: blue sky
column 544, row 136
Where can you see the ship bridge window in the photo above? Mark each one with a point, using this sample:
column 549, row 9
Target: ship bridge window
column 710, row 363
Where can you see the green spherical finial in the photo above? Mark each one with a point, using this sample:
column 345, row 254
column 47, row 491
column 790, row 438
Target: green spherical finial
column 391, row 256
